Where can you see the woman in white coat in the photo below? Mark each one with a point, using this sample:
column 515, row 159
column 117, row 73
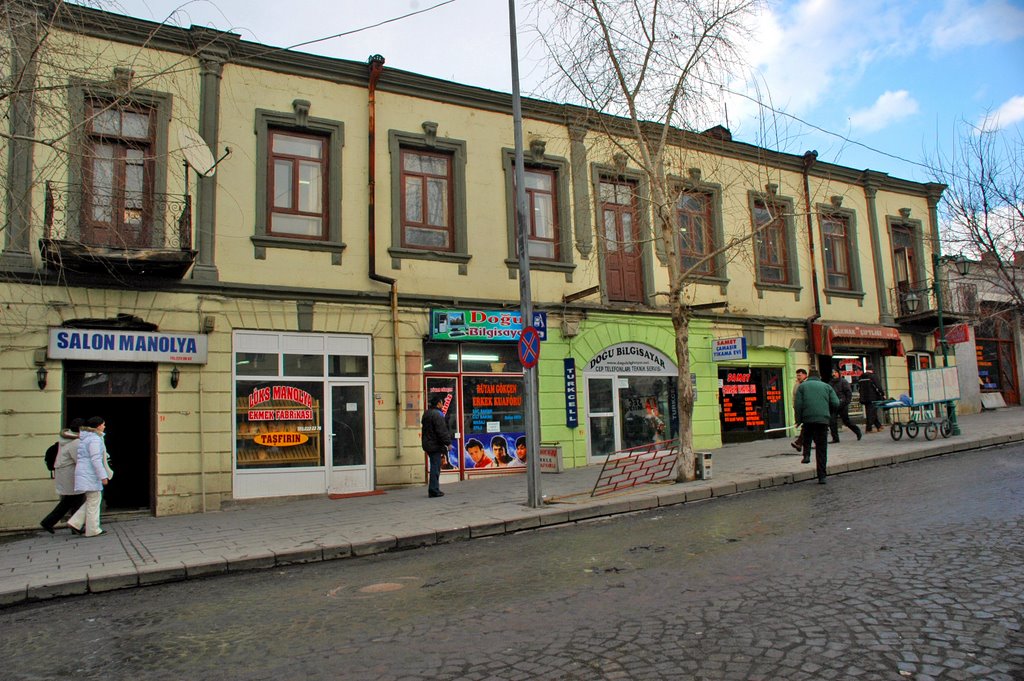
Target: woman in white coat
column 64, row 477
column 90, row 477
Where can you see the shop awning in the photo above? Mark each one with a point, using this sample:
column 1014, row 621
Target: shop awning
column 857, row 336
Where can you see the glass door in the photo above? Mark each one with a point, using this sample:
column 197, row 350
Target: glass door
column 349, row 459
column 601, row 416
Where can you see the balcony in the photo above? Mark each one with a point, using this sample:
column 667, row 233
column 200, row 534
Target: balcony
column 117, row 233
column 915, row 306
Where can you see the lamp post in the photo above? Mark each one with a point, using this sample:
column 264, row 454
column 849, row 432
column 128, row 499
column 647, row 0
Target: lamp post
column 963, row 267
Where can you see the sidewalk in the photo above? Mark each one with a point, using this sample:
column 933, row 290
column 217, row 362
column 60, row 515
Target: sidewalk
column 272, row 533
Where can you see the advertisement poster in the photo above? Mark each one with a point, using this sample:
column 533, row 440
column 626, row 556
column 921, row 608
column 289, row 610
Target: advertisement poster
column 495, row 434
column 278, row 424
column 751, row 402
column 445, row 387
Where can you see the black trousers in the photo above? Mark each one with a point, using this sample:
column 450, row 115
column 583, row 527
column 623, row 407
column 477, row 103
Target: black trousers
column 434, row 478
column 67, row 505
column 844, row 415
column 818, row 434
column 872, row 419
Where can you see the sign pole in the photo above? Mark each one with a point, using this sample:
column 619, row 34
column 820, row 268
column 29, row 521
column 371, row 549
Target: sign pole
column 531, row 408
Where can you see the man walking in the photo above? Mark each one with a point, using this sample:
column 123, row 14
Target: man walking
column 815, row 402
column 870, row 391
column 435, row 438
column 798, row 443
column 845, row 393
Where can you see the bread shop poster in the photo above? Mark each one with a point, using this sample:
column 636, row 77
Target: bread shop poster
column 483, row 325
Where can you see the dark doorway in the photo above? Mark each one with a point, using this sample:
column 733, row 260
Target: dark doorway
column 123, row 395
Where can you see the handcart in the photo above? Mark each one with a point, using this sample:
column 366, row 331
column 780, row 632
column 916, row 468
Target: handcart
column 906, row 416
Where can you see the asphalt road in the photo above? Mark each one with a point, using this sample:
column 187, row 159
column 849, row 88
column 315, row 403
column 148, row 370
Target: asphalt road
column 913, row 571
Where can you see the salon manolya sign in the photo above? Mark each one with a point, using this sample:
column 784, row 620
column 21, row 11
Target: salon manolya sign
column 122, row 345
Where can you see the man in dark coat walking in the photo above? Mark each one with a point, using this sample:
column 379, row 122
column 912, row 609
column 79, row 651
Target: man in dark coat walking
column 815, row 402
column 435, row 438
column 870, row 391
column 845, row 393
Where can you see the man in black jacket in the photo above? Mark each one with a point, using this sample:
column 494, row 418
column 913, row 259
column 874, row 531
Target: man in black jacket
column 845, row 393
column 435, row 438
column 870, row 391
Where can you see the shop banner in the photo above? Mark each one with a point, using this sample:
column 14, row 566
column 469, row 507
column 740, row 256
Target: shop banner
column 123, row 345
column 495, row 434
column 572, row 417
column 483, row 325
column 723, row 349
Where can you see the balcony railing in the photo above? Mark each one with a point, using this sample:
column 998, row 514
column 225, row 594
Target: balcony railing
column 117, row 233
column 958, row 300
column 118, row 219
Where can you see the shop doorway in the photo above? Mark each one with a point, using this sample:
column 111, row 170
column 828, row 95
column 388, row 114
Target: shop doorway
column 123, row 394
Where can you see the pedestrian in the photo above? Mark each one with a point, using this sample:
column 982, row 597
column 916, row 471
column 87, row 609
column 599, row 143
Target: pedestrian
column 845, row 394
column 435, row 437
column 64, row 477
column 798, row 443
column 91, row 477
column 815, row 402
column 871, row 391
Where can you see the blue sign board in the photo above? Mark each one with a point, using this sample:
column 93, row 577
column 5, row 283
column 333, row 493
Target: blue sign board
column 572, row 417
column 723, row 349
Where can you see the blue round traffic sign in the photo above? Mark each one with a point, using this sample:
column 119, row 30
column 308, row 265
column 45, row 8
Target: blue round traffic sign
column 529, row 347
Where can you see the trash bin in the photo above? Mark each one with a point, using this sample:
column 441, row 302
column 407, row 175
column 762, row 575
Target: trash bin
column 704, row 465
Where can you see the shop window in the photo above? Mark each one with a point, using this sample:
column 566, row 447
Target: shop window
column 298, row 182
column 547, row 212
column 428, row 191
column 774, row 243
column 347, row 366
column 298, row 185
column 490, row 357
column 255, row 364
column 440, row 357
column 303, row 365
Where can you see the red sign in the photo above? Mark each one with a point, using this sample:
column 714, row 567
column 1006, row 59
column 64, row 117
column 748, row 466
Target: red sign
column 958, row 333
column 529, row 347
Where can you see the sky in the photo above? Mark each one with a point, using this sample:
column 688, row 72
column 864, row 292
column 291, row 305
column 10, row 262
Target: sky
column 880, row 84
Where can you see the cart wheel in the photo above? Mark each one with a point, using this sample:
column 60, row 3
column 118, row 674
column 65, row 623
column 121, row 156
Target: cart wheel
column 931, row 431
column 912, row 430
column 946, row 428
column 896, row 431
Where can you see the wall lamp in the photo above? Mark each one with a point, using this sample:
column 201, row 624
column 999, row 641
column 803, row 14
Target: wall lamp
column 175, row 377
column 41, row 374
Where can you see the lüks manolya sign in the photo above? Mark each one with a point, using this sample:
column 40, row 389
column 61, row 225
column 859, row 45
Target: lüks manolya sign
column 127, row 346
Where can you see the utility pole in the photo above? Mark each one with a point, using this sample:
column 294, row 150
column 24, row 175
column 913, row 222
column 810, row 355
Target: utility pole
column 531, row 416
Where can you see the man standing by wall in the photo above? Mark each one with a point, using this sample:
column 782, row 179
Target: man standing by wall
column 435, row 439
column 870, row 391
column 815, row 403
column 845, row 393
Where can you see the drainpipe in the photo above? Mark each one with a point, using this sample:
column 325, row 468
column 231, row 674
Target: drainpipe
column 808, row 161
column 376, row 63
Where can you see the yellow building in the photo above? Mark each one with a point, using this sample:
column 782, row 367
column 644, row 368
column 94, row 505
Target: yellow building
column 257, row 263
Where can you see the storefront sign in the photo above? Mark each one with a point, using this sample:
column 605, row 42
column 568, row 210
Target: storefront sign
column 824, row 336
column 958, row 333
column 550, row 459
column 723, row 349
column 483, row 325
column 631, row 358
column 127, row 346
column 572, row 417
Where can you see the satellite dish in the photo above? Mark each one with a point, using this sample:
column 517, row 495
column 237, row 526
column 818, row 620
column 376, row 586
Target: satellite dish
column 196, row 151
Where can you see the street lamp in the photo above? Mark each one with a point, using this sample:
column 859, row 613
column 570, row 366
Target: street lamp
column 963, row 267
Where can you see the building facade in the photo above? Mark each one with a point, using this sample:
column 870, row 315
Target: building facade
column 263, row 312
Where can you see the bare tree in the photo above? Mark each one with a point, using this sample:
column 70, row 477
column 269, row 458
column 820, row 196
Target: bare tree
column 653, row 68
column 982, row 214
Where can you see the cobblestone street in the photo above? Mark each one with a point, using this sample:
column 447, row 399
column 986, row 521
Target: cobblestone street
column 913, row 571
